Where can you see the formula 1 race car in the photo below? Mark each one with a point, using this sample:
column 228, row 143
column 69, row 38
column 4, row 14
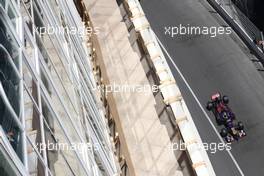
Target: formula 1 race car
column 224, row 116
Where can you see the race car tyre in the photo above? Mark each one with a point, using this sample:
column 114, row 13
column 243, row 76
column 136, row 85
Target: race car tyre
column 224, row 132
column 209, row 106
column 218, row 120
column 225, row 99
column 240, row 126
column 233, row 115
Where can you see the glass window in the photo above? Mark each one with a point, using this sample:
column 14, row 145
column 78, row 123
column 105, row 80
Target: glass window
column 10, row 10
column 7, row 168
column 8, row 41
column 60, row 152
column 10, row 127
column 2, row 2
column 56, row 158
column 8, row 67
column 10, row 81
column 9, row 77
column 11, row 13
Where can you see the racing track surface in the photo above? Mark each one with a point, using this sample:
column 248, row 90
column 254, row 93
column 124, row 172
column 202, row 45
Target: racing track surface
column 211, row 64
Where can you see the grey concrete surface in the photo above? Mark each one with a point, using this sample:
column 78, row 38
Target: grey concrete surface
column 210, row 65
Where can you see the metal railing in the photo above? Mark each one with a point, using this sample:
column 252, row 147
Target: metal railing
column 244, row 28
column 241, row 18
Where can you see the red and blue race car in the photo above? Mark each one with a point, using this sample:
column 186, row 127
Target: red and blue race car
column 225, row 117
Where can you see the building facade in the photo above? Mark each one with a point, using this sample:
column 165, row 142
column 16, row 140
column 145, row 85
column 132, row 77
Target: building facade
column 51, row 117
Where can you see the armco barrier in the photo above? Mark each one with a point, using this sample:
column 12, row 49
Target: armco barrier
column 171, row 93
column 241, row 32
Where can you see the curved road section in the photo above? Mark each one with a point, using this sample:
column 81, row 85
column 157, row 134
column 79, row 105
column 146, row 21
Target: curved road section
column 211, row 64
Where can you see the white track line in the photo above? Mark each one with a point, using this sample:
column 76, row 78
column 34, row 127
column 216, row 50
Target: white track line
column 198, row 102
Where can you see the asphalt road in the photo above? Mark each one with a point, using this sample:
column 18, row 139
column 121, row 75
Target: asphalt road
column 210, row 65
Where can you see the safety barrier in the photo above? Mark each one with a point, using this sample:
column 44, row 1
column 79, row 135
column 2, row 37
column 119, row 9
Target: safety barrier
column 247, row 33
column 237, row 15
column 171, row 93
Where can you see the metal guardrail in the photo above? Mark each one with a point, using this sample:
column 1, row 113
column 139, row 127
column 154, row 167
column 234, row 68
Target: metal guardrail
column 239, row 16
column 244, row 28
